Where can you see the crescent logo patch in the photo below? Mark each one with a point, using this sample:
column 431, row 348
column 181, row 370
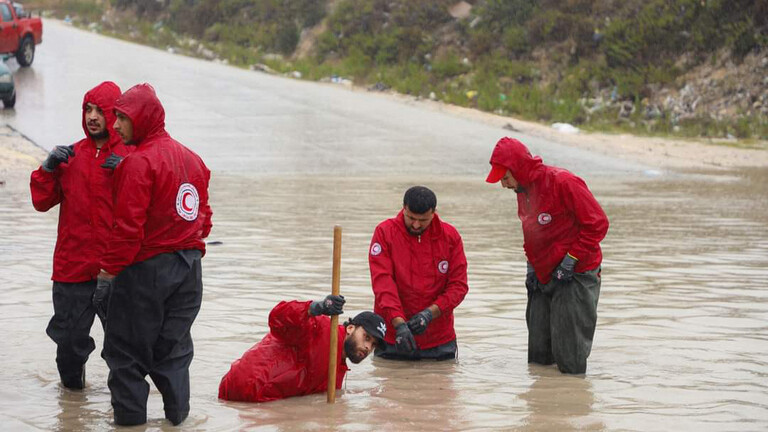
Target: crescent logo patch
column 544, row 218
column 187, row 202
column 375, row 249
column 442, row 267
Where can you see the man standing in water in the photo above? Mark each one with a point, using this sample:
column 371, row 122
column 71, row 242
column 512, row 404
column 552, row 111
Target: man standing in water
column 79, row 178
column 150, row 286
column 562, row 228
column 292, row 359
column 419, row 276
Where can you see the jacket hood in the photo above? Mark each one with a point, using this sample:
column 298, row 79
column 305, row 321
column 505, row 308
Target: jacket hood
column 141, row 105
column 514, row 155
column 104, row 96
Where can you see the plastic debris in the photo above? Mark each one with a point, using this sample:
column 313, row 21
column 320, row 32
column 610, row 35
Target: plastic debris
column 565, row 128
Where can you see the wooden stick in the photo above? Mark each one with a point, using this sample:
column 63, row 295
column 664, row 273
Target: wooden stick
column 332, row 360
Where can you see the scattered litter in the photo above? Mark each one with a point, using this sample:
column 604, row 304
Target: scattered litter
column 296, row 74
column 214, row 243
column 261, row 67
column 652, row 173
column 510, row 127
column 379, row 86
column 472, row 94
column 339, row 80
column 565, row 128
column 432, row 96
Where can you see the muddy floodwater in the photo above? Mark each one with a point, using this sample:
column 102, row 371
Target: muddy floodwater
column 682, row 335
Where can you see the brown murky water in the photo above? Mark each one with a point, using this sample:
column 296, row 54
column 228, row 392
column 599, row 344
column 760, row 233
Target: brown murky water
column 680, row 345
column 682, row 337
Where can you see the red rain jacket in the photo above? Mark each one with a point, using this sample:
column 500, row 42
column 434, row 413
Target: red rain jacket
column 410, row 273
column 161, row 189
column 559, row 213
column 291, row 360
column 84, row 190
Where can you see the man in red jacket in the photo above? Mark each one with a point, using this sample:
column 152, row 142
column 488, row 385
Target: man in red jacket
column 419, row 276
column 79, row 178
column 562, row 228
column 292, row 359
column 150, row 286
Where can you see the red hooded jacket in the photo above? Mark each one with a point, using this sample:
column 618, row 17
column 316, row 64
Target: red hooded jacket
column 291, row 360
column 410, row 273
column 559, row 213
column 160, row 192
column 84, row 190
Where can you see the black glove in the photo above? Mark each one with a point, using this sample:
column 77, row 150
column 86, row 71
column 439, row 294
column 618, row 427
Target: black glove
column 330, row 305
column 564, row 272
column 404, row 341
column 112, row 161
column 58, row 155
column 100, row 298
column 419, row 322
column 531, row 281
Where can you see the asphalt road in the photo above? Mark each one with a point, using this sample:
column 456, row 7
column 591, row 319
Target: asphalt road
column 245, row 121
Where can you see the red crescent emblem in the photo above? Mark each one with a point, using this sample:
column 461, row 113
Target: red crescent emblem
column 184, row 202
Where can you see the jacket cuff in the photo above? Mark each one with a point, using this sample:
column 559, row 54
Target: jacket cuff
column 444, row 307
column 392, row 314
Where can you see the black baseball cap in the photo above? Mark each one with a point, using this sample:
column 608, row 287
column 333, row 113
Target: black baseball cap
column 373, row 324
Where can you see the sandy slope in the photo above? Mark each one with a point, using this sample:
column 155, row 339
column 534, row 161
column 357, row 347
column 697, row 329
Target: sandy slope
column 657, row 152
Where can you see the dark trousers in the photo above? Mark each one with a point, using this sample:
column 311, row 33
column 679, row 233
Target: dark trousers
column 561, row 320
column 446, row 351
column 70, row 328
column 151, row 311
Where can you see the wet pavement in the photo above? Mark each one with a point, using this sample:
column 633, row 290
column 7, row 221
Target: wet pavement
column 682, row 336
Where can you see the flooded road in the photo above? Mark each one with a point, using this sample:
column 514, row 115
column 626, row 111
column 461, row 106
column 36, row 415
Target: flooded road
column 682, row 336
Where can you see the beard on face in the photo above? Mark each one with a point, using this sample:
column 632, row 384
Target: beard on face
column 414, row 232
column 352, row 351
column 101, row 135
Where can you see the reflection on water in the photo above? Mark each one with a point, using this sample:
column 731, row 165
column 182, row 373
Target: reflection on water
column 558, row 402
column 681, row 342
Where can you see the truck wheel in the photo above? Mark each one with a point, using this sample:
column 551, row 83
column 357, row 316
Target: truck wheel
column 10, row 102
column 26, row 52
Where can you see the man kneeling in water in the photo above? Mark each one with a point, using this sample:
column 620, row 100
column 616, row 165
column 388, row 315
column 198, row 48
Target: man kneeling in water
column 292, row 359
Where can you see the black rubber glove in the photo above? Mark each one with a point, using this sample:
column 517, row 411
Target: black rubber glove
column 531, row 281
column 419, row 322
column 330, row 305
column 564, row 271
column 100, row 298
column 59, row 154
column 404, row 341
column 112, row 161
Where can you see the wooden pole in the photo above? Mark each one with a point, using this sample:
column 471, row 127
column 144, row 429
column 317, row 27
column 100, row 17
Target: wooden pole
column 332, row 357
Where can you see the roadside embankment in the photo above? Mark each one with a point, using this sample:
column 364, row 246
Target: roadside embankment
column 668, row 153
column 18, row 157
